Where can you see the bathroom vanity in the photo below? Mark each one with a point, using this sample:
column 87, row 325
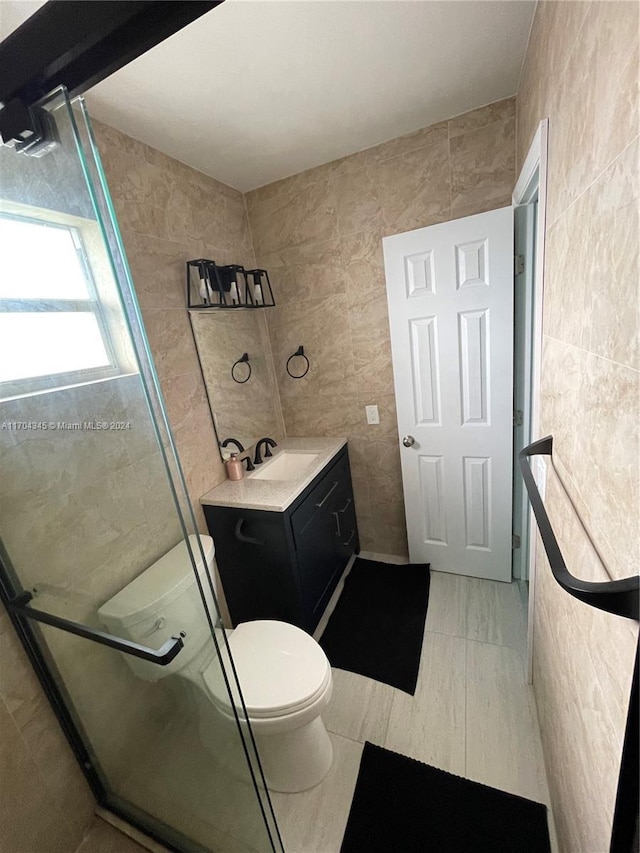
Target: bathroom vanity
column 283, row 543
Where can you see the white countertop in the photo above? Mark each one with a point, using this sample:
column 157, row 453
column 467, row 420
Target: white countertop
column 276, row 495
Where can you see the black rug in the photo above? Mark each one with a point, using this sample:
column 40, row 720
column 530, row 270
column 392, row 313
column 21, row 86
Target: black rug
column 403, row 805
column 378, row 624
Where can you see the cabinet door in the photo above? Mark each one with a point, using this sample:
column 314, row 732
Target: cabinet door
column 314, row 531
column 256, row 562
column 317, row 562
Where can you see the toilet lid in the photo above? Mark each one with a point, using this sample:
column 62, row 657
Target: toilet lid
column 280, row 668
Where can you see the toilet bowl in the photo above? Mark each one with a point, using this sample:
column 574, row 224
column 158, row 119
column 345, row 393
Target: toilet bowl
column 284, row 675
column 286, row 684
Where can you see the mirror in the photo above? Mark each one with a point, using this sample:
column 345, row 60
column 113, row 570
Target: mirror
column 245, row 405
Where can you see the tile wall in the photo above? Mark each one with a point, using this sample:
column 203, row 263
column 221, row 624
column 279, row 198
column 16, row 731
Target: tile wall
column 169, row 213
column 319, row 235
column 581, row 71
column 40, row 779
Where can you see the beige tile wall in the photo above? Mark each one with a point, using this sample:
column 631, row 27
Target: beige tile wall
column 167, row 214
column 40, row 779
column 319, row 235
column 581, row 71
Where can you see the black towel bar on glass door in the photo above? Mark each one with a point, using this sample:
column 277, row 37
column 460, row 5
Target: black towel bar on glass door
column 620, row 596
column 162, row 656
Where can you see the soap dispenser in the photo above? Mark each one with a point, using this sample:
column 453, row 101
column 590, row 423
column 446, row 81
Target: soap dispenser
column 235, row 471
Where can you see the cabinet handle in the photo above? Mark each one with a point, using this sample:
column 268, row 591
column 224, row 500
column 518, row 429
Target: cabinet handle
column 346, row 506
column 242, row 538
column 328, row 493
column 337, row 518
column 348, row 542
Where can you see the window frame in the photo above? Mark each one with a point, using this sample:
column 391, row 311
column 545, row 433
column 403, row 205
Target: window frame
column 92, row 304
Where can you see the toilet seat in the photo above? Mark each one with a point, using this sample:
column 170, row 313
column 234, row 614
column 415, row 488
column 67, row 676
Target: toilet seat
column 281, row 669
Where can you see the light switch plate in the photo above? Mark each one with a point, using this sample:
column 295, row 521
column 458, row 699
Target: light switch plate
column 373, row 416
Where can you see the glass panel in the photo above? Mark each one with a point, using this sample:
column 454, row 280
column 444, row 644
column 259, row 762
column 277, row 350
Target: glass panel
column 40, row 344
column 85, row 511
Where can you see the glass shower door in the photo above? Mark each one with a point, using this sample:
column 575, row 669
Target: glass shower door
column 91, row 495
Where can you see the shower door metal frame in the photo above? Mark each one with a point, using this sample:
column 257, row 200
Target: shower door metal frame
column 77, row 44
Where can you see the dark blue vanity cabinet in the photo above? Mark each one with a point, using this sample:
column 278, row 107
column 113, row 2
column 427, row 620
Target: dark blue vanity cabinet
column 286, row 565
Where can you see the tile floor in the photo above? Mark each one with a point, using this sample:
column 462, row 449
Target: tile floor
column 472, row 713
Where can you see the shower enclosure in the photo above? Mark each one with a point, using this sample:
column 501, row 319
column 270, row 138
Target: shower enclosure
column 91, row 494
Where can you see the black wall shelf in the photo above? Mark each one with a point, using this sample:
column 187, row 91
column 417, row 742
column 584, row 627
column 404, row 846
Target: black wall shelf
column 211, row 287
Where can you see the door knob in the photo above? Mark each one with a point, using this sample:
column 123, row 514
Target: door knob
column 408, row 441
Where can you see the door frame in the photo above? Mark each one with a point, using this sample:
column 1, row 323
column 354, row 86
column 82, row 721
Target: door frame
column 531, row 180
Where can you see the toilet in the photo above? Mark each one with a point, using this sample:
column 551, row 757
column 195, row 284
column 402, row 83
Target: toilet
column 284, row 675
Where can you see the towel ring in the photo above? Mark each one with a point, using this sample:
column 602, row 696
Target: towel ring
column 298, row 352
column 243, row 360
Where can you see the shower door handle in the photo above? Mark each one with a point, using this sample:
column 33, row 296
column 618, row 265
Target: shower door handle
column 162, row 656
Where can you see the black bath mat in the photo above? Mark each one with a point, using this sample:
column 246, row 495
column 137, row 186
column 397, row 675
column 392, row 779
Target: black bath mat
column 402, row 804
column 378, row 624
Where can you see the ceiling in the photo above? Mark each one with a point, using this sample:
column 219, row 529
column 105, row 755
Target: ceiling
column 257, row 90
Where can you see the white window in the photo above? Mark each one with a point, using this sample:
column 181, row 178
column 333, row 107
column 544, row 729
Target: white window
column 52, row 330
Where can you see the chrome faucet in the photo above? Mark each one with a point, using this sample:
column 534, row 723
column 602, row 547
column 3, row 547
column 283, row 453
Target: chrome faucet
column 268, row 443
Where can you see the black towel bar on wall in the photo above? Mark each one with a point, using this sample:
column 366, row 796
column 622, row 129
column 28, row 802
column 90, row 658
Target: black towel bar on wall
column 620, row 596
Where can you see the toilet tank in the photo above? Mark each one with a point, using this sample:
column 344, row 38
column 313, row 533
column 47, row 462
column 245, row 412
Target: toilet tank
column 160, row 603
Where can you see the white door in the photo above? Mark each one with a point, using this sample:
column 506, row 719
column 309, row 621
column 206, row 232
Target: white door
column 450, row 293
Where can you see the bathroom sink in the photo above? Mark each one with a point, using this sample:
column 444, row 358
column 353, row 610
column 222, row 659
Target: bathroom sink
column 286, row 465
